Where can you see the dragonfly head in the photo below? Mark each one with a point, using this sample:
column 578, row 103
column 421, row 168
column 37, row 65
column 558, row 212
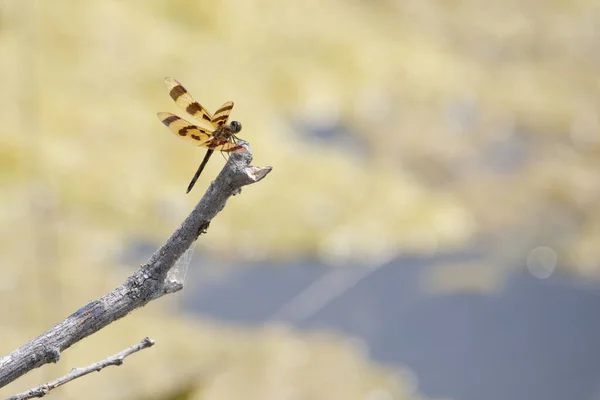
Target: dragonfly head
column 235, row 127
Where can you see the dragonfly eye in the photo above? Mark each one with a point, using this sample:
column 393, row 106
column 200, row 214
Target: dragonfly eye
column 235, row 126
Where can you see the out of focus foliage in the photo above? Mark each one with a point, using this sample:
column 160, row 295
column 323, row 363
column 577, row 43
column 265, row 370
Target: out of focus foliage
column 393, row 126
column 209, row 361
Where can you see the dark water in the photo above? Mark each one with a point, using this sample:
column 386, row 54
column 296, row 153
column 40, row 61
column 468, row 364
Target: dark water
column 537, row 339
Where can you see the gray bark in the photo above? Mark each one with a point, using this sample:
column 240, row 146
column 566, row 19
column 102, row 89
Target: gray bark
column 149, row 282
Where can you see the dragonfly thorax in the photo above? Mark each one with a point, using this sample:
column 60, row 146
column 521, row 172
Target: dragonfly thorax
column 228, row 131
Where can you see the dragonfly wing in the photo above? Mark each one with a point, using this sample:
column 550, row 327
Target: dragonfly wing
column 222, row 144
column 185, row 129
column 222, row 114
column 186, row 102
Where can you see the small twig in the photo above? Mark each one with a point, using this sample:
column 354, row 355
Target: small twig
column 75, row 373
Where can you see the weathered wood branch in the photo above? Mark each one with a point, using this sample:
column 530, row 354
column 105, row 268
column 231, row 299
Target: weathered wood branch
column 149, row 282
column 75, row 373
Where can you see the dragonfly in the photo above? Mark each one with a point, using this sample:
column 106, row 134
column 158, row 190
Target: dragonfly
column 213, row 133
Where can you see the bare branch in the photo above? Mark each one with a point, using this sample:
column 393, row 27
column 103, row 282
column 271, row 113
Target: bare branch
column 75, row 373
column 149, row 282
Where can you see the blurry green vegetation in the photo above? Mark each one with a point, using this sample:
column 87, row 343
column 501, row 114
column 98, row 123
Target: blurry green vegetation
column 479, row 122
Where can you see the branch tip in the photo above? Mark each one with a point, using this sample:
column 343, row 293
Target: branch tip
column 258, row 173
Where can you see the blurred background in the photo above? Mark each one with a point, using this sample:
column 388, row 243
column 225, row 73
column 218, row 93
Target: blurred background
column 430, row 228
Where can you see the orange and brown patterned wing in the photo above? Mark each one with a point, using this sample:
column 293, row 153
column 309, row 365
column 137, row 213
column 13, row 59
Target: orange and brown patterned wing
column 185, row 129
column 222, row 114
column 222, row 144
column 184, row 99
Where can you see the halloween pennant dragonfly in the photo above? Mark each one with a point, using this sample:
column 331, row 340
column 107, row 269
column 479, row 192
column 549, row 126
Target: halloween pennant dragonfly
column 213, row 134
